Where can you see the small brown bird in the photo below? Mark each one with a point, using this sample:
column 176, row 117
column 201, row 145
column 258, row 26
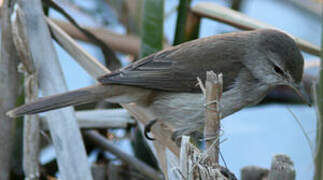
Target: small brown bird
column 252, row 63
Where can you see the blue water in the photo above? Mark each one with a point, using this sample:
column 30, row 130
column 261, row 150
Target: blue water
column 255, row 134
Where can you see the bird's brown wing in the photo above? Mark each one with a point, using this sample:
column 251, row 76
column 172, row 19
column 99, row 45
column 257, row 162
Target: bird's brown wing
column 177, row 68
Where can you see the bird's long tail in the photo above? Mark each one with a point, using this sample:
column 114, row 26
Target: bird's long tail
column 116, row 93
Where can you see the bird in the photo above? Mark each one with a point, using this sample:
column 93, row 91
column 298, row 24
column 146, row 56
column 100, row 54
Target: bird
column 252, row 63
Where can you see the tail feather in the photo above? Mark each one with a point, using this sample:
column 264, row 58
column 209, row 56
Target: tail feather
column 77, row 97
column 112, row 93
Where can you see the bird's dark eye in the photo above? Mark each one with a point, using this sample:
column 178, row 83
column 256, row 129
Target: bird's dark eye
column 278, row 70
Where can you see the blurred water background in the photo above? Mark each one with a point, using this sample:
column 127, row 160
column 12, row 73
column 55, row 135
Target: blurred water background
column 253, row 135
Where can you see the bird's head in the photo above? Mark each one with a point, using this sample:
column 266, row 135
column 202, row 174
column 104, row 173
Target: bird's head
column 281, row 61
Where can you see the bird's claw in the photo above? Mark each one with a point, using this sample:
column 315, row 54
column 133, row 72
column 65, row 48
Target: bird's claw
column 147, row 129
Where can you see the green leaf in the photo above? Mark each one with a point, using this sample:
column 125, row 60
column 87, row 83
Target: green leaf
column 183, row 9
column 152, row 27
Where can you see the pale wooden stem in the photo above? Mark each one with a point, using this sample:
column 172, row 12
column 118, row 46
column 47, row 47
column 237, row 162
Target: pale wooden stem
column 127, row 44
column 132, row 161
column 31, row 140
column 213, row 92
column 282, row 167
column 94, row 67
column 184, row 156
column 9, row 83
column 70, row 151
column 110, row 118
column 239, row 20
column 310, row 6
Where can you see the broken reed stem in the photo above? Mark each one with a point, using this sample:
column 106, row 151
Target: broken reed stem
column 213, row 92
column 192, row 165
column 31, row 138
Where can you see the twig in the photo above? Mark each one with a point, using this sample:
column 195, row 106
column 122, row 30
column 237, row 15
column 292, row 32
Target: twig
column 239, row 20
column 132, row 161
column 71, row 157
column 31, row 140
column 200, row 83
column 303, row 131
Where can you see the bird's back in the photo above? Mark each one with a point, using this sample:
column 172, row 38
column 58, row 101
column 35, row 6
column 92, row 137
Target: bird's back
column 177, row 68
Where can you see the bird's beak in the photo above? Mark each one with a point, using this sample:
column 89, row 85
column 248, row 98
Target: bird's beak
column 300, row 90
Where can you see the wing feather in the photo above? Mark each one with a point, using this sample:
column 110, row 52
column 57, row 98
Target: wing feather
column 177, row 68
